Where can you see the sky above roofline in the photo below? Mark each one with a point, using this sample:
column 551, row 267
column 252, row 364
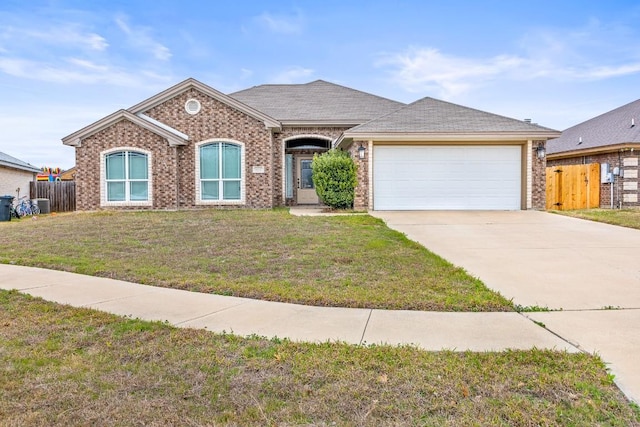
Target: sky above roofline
column 67, row 63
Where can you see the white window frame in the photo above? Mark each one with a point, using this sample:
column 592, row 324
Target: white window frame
column 103, row 179
column 243, row 174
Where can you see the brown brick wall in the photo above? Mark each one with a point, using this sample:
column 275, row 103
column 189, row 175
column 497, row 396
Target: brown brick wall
column 538, row 187
column 361, row 200
column 614, row 159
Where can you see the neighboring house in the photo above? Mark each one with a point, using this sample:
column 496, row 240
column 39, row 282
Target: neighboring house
column 192, row 146
column 68, row 175
column 612, row 138
column 15, row 176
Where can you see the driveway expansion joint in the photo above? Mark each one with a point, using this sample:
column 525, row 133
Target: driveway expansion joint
column 211, row 313
column 364, row 331
column 23, row 290
column 543, row 326
column 104, row 301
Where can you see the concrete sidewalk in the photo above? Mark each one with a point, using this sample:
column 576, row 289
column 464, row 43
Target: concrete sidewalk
column 241, row 316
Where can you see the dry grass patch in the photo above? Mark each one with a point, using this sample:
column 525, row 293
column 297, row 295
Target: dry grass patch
column 66, row 366
column 349, row 261
column 623, row 217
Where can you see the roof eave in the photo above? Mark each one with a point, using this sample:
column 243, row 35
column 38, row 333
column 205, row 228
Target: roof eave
column 594, row 150
column 177, row 133
column 451, row 136
column 75, row 139
column 329, row 123
column 20, row 167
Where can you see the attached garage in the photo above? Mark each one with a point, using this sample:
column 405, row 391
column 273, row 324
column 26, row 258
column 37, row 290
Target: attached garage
column 447, row 177
column 435, row 155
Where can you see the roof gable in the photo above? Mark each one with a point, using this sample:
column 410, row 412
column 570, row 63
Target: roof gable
column 316, row 102
column 432, row 116
column 14, row 163
column 612, row 128
column 173, row 91
column 172, row 136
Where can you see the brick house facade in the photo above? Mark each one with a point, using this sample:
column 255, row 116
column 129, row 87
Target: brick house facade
column 623, row 190
column 191, row 146
column 611, row 139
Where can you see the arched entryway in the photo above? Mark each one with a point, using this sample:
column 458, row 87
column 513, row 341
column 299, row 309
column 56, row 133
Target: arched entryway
column 299, row 151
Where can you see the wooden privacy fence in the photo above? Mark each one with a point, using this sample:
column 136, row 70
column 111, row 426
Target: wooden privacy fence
column 573, row 187
column 61, row 194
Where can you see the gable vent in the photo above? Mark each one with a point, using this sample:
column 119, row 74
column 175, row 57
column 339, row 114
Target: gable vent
column 192, row 106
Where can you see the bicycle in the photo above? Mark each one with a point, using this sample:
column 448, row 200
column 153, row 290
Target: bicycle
column 12, row 210
column 26, row 207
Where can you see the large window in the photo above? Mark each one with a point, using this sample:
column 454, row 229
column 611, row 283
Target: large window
column 220, row 171
column 127, row 177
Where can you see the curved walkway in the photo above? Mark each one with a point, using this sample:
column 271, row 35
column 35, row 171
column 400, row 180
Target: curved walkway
column 242, row 316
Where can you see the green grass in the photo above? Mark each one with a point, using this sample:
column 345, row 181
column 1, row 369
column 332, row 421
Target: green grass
column 623, row 217
column 74, row 367
column 348, row 261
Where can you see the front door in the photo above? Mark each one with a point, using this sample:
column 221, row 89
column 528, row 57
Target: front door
column 306, row 190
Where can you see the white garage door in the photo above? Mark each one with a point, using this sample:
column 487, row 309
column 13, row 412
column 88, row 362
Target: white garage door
column 447, row 177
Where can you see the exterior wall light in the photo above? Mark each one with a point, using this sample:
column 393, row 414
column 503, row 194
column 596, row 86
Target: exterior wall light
column 540, row 151
column 361, row 152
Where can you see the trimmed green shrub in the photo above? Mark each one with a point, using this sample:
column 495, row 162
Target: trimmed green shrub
column 335, row 178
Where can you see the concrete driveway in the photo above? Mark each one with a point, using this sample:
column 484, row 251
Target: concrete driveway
column 536, row 258
column 589, row 270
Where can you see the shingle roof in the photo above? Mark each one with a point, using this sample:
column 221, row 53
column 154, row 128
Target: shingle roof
column 429, row 115
column 317, row 101
column 611, row 128
column 11, row 162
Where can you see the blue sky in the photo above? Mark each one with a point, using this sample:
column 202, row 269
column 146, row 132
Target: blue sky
column 65, row 64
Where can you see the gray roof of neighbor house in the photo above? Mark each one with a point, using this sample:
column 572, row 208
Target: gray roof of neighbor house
column 432, row 116
column 316, row 102
column 609, row 129
column 11, row 162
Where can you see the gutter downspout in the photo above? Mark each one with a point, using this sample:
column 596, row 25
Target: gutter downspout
column 621, row 175
column 177, row 177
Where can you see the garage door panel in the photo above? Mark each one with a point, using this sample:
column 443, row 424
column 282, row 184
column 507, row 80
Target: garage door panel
column 446, row 177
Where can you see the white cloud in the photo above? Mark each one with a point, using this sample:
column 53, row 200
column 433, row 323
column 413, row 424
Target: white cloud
column 97, row 42
column 83, row 63
column 140, row 38
column 66, row 34
column 75, row 70
column 573, row 54
column 292, row 75
column 428, row 69
column 608, row 72
column 420, row 69
column 282, row 24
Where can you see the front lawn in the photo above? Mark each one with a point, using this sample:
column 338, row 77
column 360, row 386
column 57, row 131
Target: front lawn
column 349, row 261
column 63, row 366
column 623, row 217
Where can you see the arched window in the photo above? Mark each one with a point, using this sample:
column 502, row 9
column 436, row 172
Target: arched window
column 220, row 165
column 127, row 177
